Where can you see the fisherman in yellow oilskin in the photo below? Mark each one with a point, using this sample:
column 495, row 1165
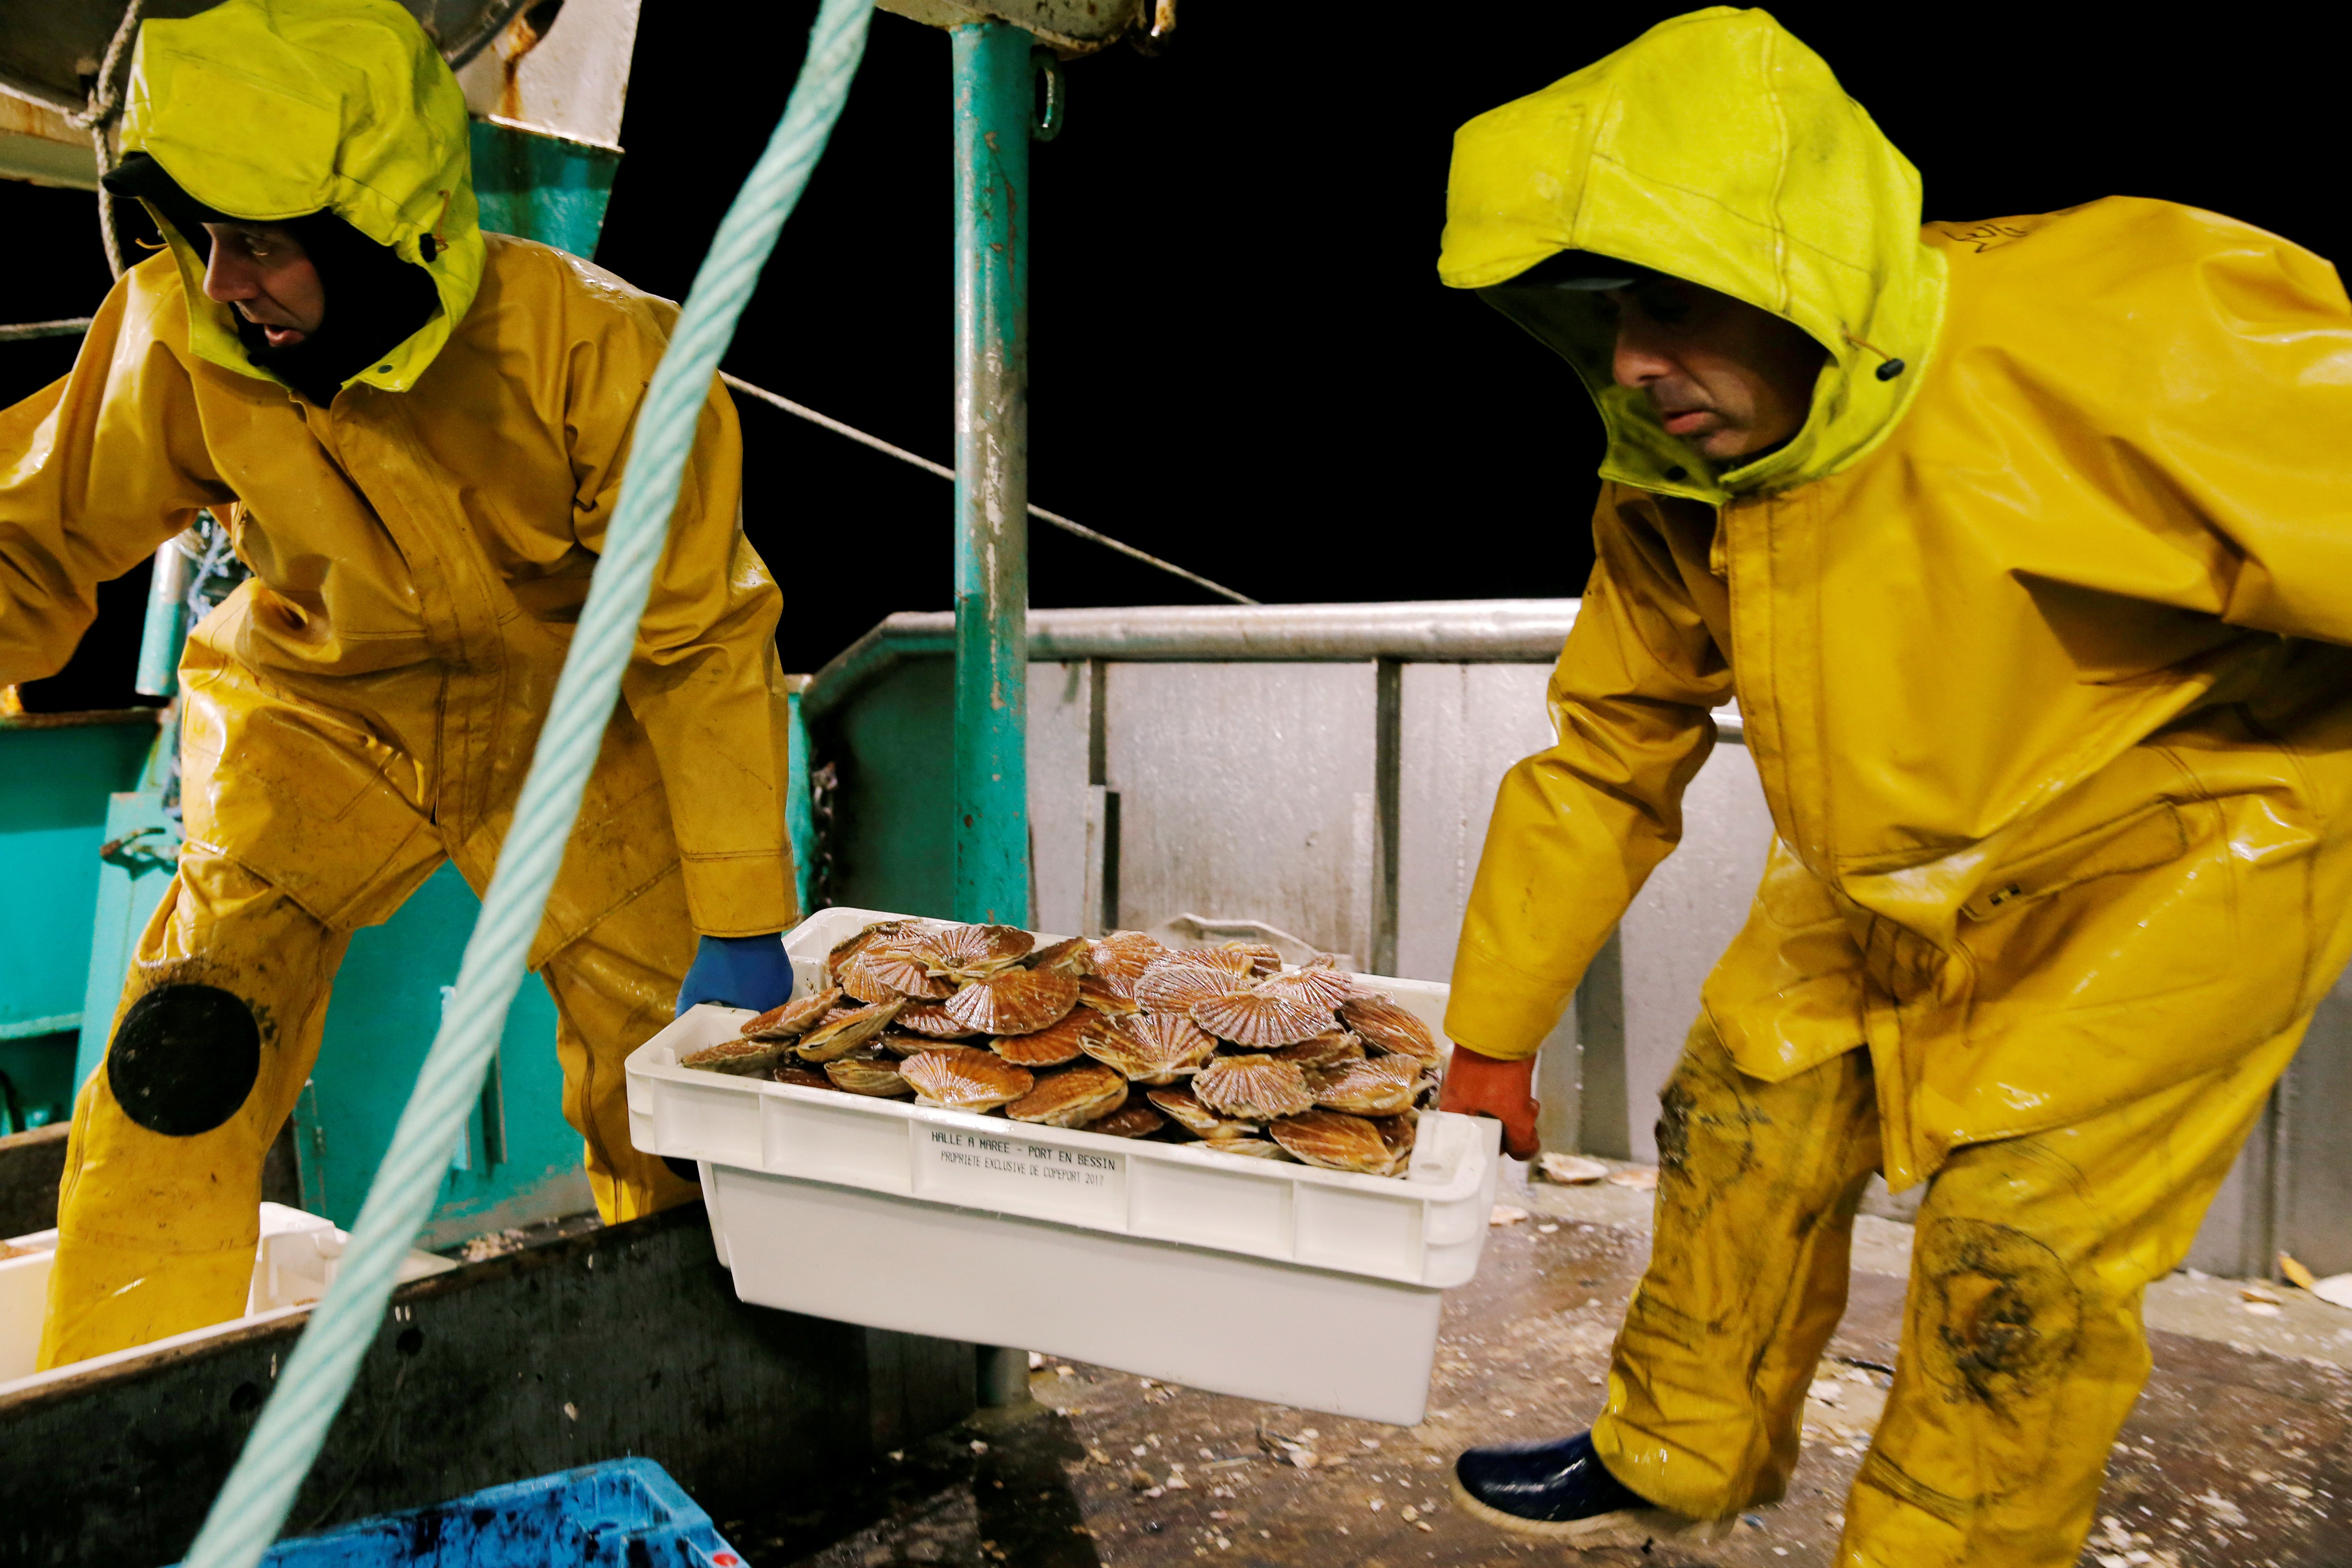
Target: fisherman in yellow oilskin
column 2026, row 548
column 416, row 433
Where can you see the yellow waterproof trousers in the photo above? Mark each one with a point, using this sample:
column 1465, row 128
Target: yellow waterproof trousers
column 157, row 1215
column 2022, row 1350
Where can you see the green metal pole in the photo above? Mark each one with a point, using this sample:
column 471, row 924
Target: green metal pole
column 993, row 91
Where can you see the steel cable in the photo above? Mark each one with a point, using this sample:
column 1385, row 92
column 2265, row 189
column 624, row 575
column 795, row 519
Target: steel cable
column 253, row 1505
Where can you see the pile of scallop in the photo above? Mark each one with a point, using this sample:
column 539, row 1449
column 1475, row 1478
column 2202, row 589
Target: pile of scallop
column 1123, row 1035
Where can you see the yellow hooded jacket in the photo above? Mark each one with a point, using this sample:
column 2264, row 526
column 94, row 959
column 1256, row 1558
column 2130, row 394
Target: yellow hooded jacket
column 2036, row 626
column 420, row 547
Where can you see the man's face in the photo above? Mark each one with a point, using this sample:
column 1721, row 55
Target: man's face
column 1731, row 379
column 263, row 270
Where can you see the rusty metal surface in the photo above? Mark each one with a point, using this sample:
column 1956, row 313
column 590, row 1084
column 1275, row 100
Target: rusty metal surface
column 48, row 47
column 2234, row 1459
column 1077, row 26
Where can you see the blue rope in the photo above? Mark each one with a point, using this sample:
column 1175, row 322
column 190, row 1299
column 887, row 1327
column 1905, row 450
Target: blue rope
column 252, row 1507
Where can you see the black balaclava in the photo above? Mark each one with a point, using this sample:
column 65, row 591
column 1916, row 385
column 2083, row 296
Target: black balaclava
column 374, row 301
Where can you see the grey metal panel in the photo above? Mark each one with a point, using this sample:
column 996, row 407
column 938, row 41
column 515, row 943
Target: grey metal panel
column 1060, row 721
column 1686, row 915
column 2314, row 1207
column 1244, row 793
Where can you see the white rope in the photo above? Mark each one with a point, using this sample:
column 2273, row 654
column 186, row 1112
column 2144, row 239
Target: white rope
column 803, row 411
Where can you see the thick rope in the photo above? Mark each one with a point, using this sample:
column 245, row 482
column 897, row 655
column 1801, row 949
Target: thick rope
column 803, row 411
column 252, row 1507
column 105, row 107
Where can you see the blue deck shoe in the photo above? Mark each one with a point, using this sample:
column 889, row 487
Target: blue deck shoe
column 1561, row 1491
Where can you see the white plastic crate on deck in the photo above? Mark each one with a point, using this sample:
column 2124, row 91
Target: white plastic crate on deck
column 1250, row 1277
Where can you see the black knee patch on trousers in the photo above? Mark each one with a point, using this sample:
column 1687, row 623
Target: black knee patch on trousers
column 184, row 1060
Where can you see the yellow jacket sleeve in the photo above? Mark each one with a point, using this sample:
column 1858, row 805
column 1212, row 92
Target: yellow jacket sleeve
column 96, row 470
column 1577, row 829
column 705, row 680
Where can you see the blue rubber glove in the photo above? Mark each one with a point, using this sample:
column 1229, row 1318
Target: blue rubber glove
column 738, row 971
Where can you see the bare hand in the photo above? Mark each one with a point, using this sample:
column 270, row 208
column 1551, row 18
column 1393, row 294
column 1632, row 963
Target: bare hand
column 1481, row 1086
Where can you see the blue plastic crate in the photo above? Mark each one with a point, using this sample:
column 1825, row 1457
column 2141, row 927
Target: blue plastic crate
column 626, row 1513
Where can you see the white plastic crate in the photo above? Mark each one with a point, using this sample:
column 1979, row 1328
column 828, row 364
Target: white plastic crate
column 1257, row 1278
column 294, row 1263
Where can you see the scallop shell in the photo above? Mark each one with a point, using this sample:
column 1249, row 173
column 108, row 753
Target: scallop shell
column 933, row 1020
column 1071, row 1098
column 1129, row 1121
column 1383, row 1087
column 1398, row 1132
column 1124, row 955
column 1334, row 1142
column 794, row 1017
column 899, row 1043
column 1184, row 1108
column 1389, row 1027
column 1111, row 998
column 962, row 1078
column 800, row 1075
column 881, row 931
column 1255, row 1018
column 1263, row 957
column 1055, row 1044
column 1229, row 958
column 739, row 1057
column 969, row 952
column 1154, row 1047
column 1252, row 1088
column 1173, row 984
column 884, row 973
column 1326, row 1049
column 1324, row 988
column 1015, row 1001
column 843, row 1034
column 870, row 1072
column 1070, row 957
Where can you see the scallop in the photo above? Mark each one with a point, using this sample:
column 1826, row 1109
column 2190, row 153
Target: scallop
column 880, row 974
column 933, row 1020
column 1324, row 988
column 1015, row 1001
column 881, row 931
column 1184, row 1108
column 1111, row 998
column 1071, row 1098
column 1334, row 1142
column 800, row 1075
column 1398, row 1132
column 1326, row 1049
column 1056, row 1043
column 740, row 1058
column 1129, row 1121
column 1069, row 957
column 832, row 1040
column 1255, row 1018
column 1124, row 955
column 1252, row 1088
column 1263, row 957
column 971, row 952
column 1229, row 958
column 1383, row 1087
column 1154, row 1047
column 870, row 1072
column 899, row 1043
column 1173, row 984
column 794, row 1017
column 962, row 1078
column 1389, row 1027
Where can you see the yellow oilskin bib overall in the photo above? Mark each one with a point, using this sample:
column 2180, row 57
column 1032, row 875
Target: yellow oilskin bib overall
column 2037, row 627
column 364, row 708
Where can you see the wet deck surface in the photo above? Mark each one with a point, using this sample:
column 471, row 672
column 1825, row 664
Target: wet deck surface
column 2238, row 1456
